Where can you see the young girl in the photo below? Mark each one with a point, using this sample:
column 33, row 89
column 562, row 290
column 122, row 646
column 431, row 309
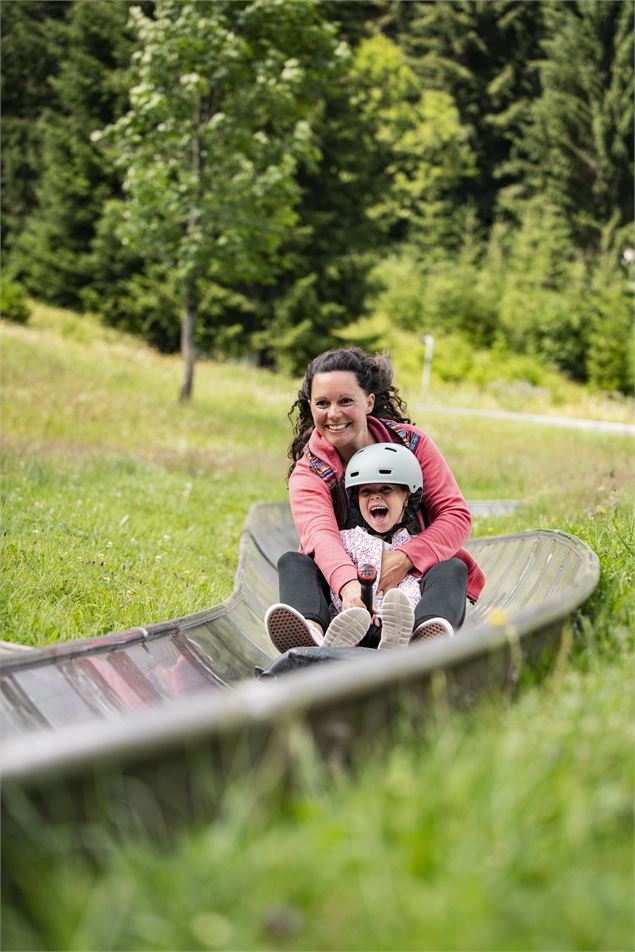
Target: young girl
column 347, row 402
column 384, row 485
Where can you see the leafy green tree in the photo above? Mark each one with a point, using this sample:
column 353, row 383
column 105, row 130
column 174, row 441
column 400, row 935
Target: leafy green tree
column 424, row 149
column 578, row 146
column 318, row 280
column 53, row 252
column 221, row 104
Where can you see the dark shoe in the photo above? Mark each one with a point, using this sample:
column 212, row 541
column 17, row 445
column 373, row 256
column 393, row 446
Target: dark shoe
column 433, row 628
column 287, row 628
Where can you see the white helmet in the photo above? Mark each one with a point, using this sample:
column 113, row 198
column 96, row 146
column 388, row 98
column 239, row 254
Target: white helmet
column 384, row 463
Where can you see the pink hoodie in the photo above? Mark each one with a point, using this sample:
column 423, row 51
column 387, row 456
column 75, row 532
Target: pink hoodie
column 449, row 516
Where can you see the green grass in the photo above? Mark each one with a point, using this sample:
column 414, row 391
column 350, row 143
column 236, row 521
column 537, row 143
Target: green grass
column 122, row 507
column 506, row 827
column 110, row 544
column 512, row 830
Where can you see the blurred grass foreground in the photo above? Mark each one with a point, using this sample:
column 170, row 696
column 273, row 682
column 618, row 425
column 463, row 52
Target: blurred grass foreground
column 506, row 827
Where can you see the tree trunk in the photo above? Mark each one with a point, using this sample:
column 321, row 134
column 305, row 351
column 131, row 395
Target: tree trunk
column 188, row 353
column 190, row 305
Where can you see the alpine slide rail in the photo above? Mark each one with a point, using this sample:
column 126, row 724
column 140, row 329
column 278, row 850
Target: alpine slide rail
column 160, row 719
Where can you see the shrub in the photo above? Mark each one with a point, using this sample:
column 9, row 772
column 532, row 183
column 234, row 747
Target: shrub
column 439, row 297
column 609, row 359
column 13, row 303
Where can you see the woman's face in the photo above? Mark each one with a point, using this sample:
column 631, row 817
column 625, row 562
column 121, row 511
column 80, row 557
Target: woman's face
column 339, row 408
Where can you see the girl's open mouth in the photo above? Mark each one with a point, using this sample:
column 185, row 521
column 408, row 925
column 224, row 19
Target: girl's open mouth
column 378, row 512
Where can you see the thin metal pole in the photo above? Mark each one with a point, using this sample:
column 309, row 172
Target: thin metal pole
column 428, row 340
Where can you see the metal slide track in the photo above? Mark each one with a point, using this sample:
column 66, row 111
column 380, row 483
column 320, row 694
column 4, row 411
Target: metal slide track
column 148, row 700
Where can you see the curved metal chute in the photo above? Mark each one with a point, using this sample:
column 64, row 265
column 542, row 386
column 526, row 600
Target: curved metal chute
column 156, row 694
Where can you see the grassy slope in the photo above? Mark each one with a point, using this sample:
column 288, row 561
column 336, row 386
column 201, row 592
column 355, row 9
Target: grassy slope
column 123, row 507
column 505, row 828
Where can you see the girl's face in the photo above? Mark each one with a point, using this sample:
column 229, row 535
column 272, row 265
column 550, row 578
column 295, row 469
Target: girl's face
column 339, row 408
column 382, row 505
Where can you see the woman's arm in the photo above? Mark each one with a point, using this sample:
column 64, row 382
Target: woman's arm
column 395, row 565
column 314, row 518
column 448, row 513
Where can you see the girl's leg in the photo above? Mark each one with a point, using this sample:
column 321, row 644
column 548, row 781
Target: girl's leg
column 443, row 593
column 303, row 587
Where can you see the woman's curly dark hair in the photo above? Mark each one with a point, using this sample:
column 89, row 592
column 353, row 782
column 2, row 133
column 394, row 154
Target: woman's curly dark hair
column 374, row 375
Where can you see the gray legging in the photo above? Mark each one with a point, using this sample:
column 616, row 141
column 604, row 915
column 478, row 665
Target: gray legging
column 443, row 592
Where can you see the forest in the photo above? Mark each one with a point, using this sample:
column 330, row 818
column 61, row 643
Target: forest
column 259, row 180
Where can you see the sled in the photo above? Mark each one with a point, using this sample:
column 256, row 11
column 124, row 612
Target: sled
column 534, row 579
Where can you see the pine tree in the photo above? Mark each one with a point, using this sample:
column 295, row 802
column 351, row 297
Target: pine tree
column 480, row 52
column 578, row 147
column 53, row 252
column 30, row 57
column 543, row 284
column 328, row 257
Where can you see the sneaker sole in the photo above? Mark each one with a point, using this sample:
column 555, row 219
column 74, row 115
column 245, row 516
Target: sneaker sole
column 287, row 631
column 432, row 630
column 397, row 620
column 347, row 629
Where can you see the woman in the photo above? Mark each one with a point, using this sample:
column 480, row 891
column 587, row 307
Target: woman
column 348, row 401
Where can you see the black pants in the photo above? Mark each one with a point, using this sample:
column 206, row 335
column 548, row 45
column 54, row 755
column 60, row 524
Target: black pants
column 443, row 592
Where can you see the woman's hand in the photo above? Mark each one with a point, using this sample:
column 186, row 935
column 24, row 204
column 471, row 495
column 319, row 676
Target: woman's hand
column 395, row 565
column 351, row 595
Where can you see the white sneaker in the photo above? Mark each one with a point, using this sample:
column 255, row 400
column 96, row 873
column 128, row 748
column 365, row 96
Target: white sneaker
column 287, row 628
column 347, row 629
column 433, row 628
column 397, row 619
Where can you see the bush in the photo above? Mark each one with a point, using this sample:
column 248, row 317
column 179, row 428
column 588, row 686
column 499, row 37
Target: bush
column 547, row 324
column 13, row 303
column 609, row 359
column 439, row 297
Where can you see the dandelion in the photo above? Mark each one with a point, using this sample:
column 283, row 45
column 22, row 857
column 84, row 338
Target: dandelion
column 109, row 545
column 158, row 558
column 498, row 616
